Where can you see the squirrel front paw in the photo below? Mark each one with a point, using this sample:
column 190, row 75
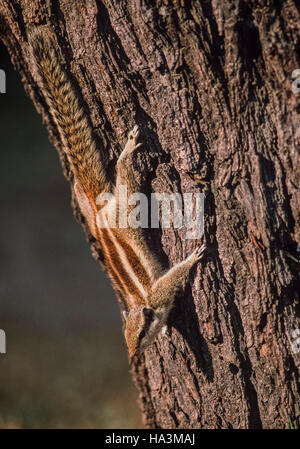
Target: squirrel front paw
column 198, row 253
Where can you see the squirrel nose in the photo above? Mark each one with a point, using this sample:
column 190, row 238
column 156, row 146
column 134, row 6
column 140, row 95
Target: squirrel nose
column 133, row 354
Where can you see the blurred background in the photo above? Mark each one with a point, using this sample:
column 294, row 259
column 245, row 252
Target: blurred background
column 66, row 363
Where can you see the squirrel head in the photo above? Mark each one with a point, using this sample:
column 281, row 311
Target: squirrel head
column 142, row 325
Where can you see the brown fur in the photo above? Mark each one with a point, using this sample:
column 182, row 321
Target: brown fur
column 133, row 269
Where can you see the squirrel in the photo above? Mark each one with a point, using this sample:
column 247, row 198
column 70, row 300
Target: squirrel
column 148, row 290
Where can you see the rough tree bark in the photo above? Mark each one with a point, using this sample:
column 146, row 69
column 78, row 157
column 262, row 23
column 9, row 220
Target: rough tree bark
column 210, row 84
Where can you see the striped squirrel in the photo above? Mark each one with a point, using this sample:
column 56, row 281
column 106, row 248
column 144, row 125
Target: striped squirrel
column 149, row 292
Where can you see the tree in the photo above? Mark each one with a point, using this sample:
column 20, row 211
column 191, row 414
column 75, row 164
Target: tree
column 210, row 84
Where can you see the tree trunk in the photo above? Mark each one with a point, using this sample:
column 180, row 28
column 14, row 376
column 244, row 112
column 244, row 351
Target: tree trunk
column 210, row 85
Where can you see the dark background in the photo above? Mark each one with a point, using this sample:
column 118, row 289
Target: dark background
column 66, row 363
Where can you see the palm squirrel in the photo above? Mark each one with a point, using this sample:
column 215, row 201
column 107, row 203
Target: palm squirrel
column 135, row 272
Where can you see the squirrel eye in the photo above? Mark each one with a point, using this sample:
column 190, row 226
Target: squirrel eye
column 142, row 335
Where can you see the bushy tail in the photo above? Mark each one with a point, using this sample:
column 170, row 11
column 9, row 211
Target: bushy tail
column 73, row 126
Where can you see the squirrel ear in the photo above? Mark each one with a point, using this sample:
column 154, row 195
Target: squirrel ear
column 125, row 314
